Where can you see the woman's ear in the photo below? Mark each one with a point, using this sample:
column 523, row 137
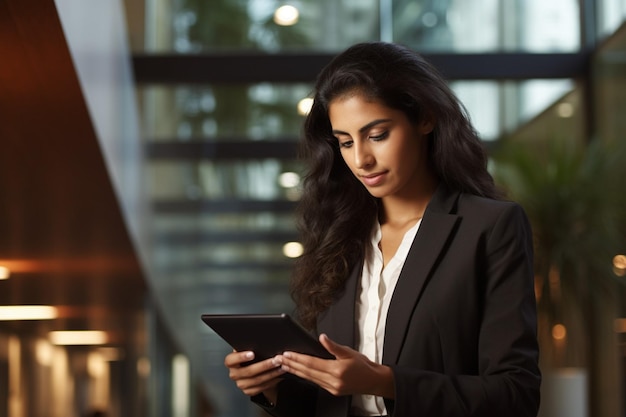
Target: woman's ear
column 427, row 125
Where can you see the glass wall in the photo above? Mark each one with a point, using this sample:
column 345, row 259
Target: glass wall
column 192, row 26
column 486, row 25
column 610, row 16
column 610, row 87
column 263, row 111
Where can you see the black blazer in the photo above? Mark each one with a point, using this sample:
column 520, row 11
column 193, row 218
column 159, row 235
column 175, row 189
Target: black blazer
column 461, row 328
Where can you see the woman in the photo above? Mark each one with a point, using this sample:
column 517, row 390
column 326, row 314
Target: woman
column 417, row 278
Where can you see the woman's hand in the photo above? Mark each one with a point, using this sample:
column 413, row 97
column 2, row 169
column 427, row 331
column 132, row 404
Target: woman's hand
column 350, row 373
column 257, row 378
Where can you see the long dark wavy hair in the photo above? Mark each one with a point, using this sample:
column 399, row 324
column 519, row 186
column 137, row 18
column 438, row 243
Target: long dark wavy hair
column 336, row 212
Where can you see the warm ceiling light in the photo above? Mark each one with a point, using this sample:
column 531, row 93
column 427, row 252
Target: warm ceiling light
column 619, row 261
column 286, row 15
column 44, row 352
column 289, row 179
column 4, row 272
column 559, row 332
column 27, row 313
column 292, row 249
column 304, row 106
column 78, row 337
column 96, row 365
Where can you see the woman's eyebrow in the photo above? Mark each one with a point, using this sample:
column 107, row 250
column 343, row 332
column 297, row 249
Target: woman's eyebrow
column 364, row 128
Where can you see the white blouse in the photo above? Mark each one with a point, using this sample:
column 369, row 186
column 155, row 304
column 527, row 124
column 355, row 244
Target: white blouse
column 377, row 285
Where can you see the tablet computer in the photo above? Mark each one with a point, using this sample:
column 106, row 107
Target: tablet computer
column 267, row 335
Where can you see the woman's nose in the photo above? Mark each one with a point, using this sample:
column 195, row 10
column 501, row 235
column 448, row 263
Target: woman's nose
column 363, row 158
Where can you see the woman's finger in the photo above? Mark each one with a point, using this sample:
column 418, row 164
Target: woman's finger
column 237, row 358
column 337, row 350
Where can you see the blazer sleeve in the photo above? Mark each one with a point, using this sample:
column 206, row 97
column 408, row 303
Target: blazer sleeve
column 508, row 378
column 295, row 398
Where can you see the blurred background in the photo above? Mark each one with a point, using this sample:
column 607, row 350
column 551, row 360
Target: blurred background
column 148, row 174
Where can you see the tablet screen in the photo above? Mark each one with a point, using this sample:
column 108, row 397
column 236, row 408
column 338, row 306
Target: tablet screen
column 266, row 335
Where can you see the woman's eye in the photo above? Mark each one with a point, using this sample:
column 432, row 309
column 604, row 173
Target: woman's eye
column 382, row 136
column 346, row 144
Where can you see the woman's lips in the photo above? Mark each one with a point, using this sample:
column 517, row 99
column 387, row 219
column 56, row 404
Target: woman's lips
column 373, row 179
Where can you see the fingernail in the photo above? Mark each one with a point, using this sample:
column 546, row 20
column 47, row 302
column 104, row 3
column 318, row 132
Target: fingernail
column 287, row 355
column 250, row 355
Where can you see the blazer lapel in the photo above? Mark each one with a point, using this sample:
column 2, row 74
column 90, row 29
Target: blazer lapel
column 437, row 226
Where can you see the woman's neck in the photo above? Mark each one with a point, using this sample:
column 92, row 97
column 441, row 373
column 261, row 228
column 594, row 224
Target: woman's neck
column 398, row 211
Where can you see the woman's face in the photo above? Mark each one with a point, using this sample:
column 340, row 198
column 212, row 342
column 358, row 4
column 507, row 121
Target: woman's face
column 382, row 148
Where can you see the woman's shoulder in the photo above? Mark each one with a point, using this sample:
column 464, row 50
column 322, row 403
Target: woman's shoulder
column 487, row 208
column 479, row 209
column 472, row 200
